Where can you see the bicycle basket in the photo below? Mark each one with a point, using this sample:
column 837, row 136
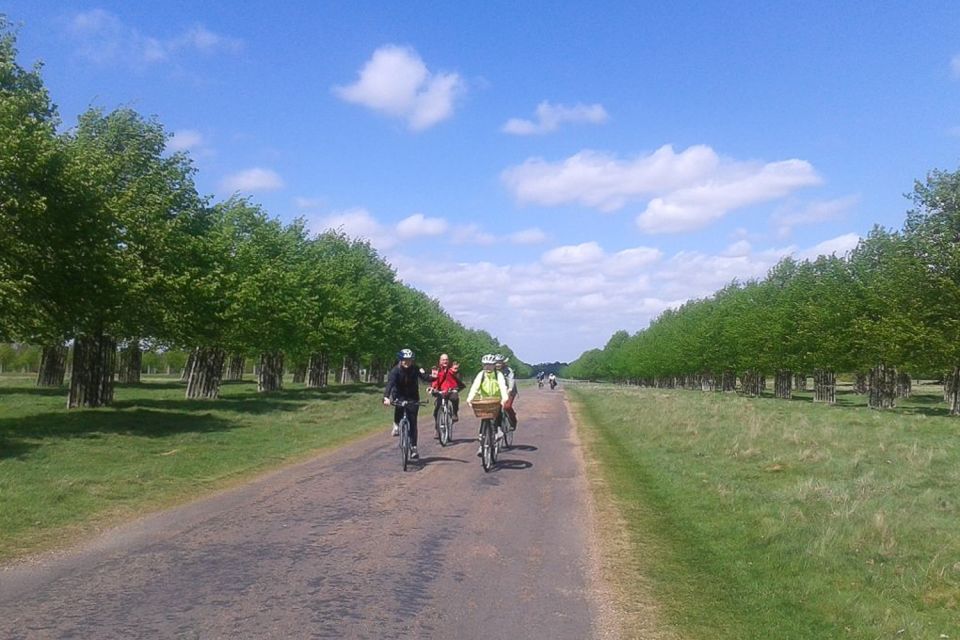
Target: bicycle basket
column 485, row 408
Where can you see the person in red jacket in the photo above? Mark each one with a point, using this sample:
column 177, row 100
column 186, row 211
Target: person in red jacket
column 446, row 377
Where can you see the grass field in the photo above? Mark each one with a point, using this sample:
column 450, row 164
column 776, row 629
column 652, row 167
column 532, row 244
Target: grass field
column 65, row 474
column 763, row 518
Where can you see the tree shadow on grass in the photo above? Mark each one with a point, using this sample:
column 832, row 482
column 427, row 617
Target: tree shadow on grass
column 18, row 436
column 34, row 391
column 252, row 402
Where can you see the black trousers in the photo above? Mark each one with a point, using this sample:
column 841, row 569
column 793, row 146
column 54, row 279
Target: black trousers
column 454, row 401
column 411, row 416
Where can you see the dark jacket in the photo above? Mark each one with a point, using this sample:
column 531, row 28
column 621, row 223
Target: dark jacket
column 402, row 384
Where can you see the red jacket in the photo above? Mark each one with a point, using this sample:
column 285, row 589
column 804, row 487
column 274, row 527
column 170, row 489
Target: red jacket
column 446, row 379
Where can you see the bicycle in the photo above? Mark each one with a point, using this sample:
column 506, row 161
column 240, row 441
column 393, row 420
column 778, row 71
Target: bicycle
column 405, row 445
column 507, row 426
column 443, row 418
column 539, row 383
column 487, row 410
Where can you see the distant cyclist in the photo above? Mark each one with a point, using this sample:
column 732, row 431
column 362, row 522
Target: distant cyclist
column 489, row 383
column 511, row 381
column 446, row 377
column 402, row 384
column 553, row 380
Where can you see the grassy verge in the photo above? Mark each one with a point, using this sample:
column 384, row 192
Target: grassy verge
column 65, row 474
column 783, row 519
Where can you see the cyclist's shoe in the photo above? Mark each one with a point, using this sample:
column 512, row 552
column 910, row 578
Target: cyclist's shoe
column 396, row 430
column 456, row 417
column 499, row 434
column 413, row 453
column 479, row 451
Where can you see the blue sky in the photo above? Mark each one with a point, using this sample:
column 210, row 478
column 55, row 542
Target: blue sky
column 551, row 172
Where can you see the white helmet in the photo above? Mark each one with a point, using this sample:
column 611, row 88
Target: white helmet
column 488, row 359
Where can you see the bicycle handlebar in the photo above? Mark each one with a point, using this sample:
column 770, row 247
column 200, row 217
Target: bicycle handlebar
column 406, row 403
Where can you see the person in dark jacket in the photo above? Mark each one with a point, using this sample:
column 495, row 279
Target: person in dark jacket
column 403, row 384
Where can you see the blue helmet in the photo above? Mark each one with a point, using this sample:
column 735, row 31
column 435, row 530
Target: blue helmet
column 405, row 354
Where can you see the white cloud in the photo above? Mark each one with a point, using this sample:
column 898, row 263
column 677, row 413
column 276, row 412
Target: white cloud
column 103, row 38
column 838, row 246
column 696, row 206
column 420, row 225
column 955, row 65
column 396, row 82
column 551, row 116
column 557, row 312
column 533, row 235
column 250, row 180
column 472, row 234
column 199, row 38
column 573, row 255
column 738, row 248
column 185, row 140
column 688, row 189
column 601, row 181
column 303, row 203
column 786, row 218
column 356, row 223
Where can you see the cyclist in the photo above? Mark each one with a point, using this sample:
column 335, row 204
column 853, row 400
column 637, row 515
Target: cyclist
column 511, row 381
column 446, row 377
column 402, row 385
column 553, row 380
column 489, row 383
column 540, row 376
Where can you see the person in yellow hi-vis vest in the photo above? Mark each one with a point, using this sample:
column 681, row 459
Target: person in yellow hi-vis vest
column 489, row 383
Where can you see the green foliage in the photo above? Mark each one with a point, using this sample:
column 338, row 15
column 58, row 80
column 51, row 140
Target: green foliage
column 104, row 233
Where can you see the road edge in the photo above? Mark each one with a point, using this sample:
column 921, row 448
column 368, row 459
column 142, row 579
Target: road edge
column 626, row 609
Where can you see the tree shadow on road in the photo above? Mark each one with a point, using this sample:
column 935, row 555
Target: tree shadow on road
column 523, row 447
column 513, row 465
column 431, row 459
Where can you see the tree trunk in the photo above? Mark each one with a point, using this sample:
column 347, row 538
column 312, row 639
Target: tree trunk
column 783, row 384
column 299, row 372
column 800, row 382
column 708, row 382
column 728, row 382
column 318, row 368
column 131, row 361
column 206, row 372
column 751, row 383
column 53, row 366
column 883, row 387
column 348, row 372
column 951, row 385
column 235, row 368
column 188, row 367
column 94, row 359
column 271, row 372
column 824, row 386
column 860, row 386
column 904, row 385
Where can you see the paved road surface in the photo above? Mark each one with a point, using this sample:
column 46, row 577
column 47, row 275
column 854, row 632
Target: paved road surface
column 344, row 546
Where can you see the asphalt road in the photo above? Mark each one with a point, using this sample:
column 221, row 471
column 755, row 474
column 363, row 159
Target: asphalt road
column 345, row 546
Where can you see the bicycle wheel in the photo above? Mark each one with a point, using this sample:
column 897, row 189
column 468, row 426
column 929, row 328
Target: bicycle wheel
column 448, row 418
column 487, row 444
column 404, row 442
column 443, row 425
column 507, row 432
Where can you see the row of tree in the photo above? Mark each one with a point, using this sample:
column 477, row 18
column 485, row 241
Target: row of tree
column 108, row 248
column 888, row 310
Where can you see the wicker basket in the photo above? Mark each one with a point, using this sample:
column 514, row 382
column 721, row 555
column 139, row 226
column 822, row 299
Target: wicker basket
column 486, row 407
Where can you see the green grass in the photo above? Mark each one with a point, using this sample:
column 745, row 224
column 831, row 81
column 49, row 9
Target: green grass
column 763, row 518
column 64, row 474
